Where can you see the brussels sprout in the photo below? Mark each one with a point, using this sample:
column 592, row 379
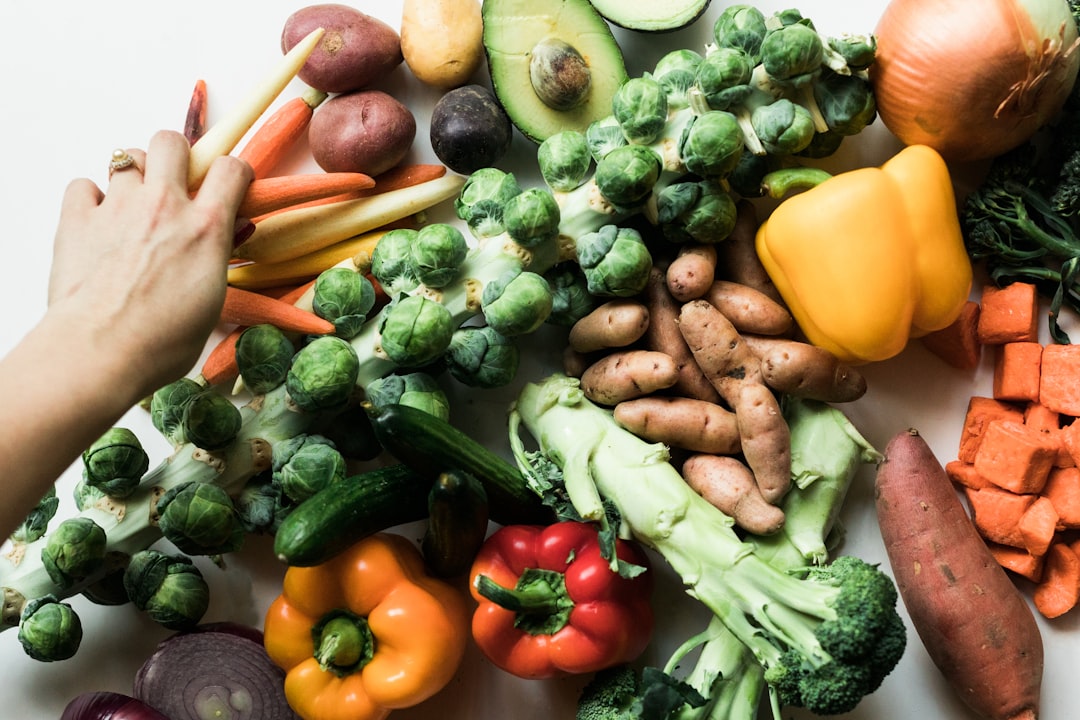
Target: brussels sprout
column 261, row 505
column 323, row 374
column 823, row 145
column 108, row 589
column 305, row 464
column 846, row 102
column 532, row 217
column 626, row 175
column 37, row 520
column 479, row 356
column 74, row 550
column 742, row 27
column 564, row 160
column 49, row 630
column 858, row 51
column 712, row 144
column 700, row 212
column 793, row 53
column 351, row 431
column 724, row 78
column 616, row 262
column 391, row 261
column 169, row 588
column 263, row 355
column 571, row 299
column 640, row 106
column 416, row 389
column 87, row 496
column 604, row 135
column 344, row 297
column 167, row 408
column 416, row 330
column 746, row 179
column 211, row 421
column 675, row 72
column 115, row 462
column 481, row 200
column 516, row 303
column 437, row 254
column 783, row 127
column 199, row 519
column 560, row 76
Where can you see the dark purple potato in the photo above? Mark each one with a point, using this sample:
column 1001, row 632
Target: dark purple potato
column 469, row 129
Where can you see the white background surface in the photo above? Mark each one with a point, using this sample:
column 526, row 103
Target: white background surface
column 84, row 78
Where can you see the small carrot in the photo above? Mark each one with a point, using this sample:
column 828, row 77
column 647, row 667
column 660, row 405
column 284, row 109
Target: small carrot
column 398, row 178
column 246, row 307
column 274, row 193
column 256, row 276
column 277, row 135
column 195, row 122
column 220, row 364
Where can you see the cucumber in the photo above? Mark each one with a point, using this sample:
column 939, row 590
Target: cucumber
column 457, row 523
column 431, row 445
column 345, row 512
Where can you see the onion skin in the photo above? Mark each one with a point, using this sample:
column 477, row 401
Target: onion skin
column 108, row 706
column 972, row 80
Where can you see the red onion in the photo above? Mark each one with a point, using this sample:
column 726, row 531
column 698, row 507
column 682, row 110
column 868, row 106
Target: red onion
column 214, row 672
column 108, row 706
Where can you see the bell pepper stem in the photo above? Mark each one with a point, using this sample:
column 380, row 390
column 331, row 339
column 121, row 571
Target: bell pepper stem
column 539, row 600
column 779, row 183
column 343, row 642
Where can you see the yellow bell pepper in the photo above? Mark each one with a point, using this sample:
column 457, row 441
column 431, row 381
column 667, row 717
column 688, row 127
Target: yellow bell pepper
column 366, row 632
column 870, row 258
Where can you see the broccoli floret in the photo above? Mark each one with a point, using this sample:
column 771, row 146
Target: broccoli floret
column 618, row 693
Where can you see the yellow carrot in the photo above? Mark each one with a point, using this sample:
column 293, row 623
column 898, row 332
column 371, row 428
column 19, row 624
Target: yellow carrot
column 222, row 137
column 290, row 234
column 257, row 276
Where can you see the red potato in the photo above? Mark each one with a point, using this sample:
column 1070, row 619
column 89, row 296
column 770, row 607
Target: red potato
column 973, row 621
column 365, row 131
column 355, row 51
column 730, row 487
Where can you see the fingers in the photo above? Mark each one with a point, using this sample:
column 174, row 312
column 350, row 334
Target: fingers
column 166, row 159
column 226, row 182
column 131, row 174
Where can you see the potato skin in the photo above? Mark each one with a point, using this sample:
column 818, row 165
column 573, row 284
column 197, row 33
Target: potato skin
column 366, row 131
column 973, row 621
column 469, row 129
column 730, row 487
column 442, row 40
column 614, row 324
column 627, row 374
column 692, row 272
column 355, row 51
column 798, row 368
column 681, row 422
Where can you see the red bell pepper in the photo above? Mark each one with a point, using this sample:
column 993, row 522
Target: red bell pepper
column 550, row 603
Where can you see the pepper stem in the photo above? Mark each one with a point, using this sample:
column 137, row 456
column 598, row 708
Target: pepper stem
column 539, row 600
column 343, row 641
column 778, row 183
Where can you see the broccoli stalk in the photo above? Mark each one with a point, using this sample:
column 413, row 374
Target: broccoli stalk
column 823, row 637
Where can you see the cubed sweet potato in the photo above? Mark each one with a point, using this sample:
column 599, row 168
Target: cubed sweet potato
column 1008, row 314
column 1014, row 456
column 1038, row 526
column 1048, row 422
column 1016, row 371
column 1063, row 490
column 996, row 514
column 958, row 344
column 964, row 475
column 980, row 411
column 1059, row 589
column 1017, row 560
column 1059, row 388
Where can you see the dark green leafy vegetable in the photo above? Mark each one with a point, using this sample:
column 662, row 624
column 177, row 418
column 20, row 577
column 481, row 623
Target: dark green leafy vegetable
column 169, row 588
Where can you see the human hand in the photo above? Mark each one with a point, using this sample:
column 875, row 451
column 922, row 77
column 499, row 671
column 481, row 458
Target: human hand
column 141, row 268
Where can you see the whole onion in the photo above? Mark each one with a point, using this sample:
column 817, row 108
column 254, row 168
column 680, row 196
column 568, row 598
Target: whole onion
column 106, row 705
column 973, row 80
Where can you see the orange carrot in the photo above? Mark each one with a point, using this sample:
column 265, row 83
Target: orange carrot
column 1059, row 387
column 297, row 292
column 958, row 344
column 397, row 178
column 1018, row 560
column 220, row 364
column 1038, row 526
column 1008, row 314
column 1059, row 590
column 980, row 411
column 246, row 307
column 1016, row 371
column 274, row 193
column 195, row 122
column 278, row 134
column 1015, row 456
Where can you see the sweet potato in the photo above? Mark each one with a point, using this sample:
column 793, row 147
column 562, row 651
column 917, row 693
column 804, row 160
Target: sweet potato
column 663, row 335
column 1058, row 591
column 1015, row 457
column 1048, row 422
column 1062, row 489
column 964, row 475
column 1059, row 380
column 1038, row 526
column 749, row 310
column 1016, row 371
column 1018, row 560
column 996, row 514
column 616, row 323
column 626, row 374
column 958, row 343
column 681, row 422
column 973, row 621
column 692, row 271
column 1008, row 314
column 980, row 412
column 730, row 486
column 737, row 259
column 803, row 370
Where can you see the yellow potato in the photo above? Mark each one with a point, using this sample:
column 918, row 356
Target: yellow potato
column 681, row 422
column 442, row 40
column 627, row 374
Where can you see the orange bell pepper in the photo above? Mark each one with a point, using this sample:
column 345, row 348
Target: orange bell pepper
column 367, row 632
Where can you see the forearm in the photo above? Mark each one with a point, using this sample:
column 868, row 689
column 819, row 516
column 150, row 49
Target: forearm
column 61, row 387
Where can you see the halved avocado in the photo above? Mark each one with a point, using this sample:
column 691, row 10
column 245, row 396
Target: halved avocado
column 651, row 15
column 565, row 49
